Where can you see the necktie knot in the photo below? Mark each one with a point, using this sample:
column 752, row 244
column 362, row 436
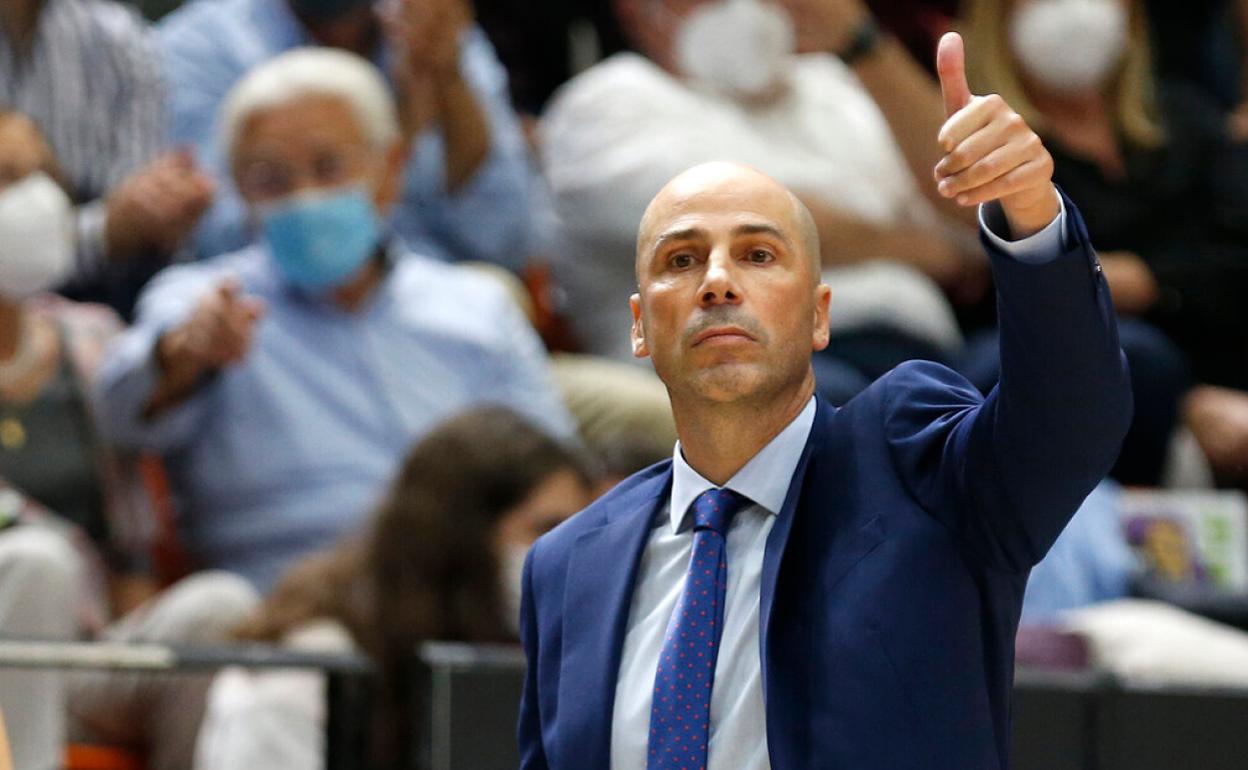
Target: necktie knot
column 714, row 509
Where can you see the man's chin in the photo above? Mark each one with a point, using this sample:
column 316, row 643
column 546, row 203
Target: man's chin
column 730, row 381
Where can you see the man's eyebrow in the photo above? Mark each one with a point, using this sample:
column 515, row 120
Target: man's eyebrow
column 763, row 229
column 687, row 234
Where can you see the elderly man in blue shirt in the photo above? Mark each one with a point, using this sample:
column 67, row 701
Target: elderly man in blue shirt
column 466, row 194
column 284, row 382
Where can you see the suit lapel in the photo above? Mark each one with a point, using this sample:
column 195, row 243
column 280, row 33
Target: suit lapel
column 602, row 572
column 779, row 537
column 822, row 487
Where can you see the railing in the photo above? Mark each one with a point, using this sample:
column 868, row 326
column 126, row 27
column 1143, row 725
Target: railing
column 348, row 677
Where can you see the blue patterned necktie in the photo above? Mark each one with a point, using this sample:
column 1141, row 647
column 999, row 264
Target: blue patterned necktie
column 680, row 716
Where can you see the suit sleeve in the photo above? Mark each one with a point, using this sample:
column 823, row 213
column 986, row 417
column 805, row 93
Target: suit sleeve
column 1005, row 473
column 529, row 729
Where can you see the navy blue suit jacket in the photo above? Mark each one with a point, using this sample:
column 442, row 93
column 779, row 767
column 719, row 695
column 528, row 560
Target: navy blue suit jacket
column 893, row 577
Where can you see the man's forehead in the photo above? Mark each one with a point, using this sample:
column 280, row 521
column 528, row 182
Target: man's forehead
column 335, row 120
column 717, row 208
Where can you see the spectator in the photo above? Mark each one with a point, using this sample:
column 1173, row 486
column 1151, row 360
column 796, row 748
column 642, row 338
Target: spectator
column 1150, row 162
column 75, row 523
column 84, row 71
column 851, row 139
column 466, row 190
column 283, row 382
column 442, row 562
column 1090, row 561
column 1202, row 43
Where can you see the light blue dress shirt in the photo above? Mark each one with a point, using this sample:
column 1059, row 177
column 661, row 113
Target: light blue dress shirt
column 207, row 45
column 290, row 449
column 738, row 727
column 1090, row 562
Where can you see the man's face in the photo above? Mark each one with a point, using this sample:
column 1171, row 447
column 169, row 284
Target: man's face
column 729, row 306
column 312, row 143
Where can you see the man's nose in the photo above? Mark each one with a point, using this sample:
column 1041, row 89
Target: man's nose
column 719, row 282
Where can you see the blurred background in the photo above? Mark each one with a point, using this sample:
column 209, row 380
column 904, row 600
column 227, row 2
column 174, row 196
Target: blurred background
column 313, row 318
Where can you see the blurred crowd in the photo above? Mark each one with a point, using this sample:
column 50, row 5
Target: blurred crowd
column 314, row 314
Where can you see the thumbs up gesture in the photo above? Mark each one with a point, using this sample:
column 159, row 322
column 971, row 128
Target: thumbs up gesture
column 991, row 154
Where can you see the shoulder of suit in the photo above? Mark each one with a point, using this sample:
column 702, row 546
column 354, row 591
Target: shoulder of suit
column 920, row 392
column 560, row 539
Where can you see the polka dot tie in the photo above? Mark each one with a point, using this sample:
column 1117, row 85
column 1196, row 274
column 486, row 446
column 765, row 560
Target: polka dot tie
column 680, row 717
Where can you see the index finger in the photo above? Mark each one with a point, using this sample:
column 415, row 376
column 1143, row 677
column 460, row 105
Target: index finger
column 951, row 66
column 229, row 289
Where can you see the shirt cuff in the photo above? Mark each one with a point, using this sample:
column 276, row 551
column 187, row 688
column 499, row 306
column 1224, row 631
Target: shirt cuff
column 1044, row 246
column 92, row 245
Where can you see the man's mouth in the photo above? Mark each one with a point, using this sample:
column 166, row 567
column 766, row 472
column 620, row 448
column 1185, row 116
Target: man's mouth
column 722, row 335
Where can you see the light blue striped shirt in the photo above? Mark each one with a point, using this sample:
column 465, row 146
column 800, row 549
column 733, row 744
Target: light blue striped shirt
column 209, row 44
column 290, row 449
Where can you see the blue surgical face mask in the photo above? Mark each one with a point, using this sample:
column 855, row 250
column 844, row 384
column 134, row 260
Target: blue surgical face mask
column 320, row 239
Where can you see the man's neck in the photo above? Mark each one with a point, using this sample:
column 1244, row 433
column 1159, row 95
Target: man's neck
column 718, row 439
column 20, row 19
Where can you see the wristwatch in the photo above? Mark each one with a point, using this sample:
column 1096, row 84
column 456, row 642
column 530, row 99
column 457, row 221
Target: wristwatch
column 866, row 38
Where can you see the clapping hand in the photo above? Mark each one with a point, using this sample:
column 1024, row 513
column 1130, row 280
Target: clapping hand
column 991, row 154
column 425, row 34
column 156, row 207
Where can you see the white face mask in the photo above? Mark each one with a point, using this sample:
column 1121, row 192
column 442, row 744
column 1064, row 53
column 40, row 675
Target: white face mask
column 1069, row 45
column 741, row 48
column 512, row 575
column 36, row 236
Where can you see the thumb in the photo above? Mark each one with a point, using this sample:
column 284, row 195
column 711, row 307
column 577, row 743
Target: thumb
column 228, row 289
column 951, row 65
column 183, row 158
column 254, row 308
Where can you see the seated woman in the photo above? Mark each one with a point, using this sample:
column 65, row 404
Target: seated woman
column 442, row 562
column 1164, row 188
column 75, row 521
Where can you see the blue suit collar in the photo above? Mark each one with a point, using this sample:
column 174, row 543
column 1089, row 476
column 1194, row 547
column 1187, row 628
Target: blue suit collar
column 602, row 572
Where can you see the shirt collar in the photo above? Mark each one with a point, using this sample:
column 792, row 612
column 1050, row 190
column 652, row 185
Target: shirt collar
column 764, row 479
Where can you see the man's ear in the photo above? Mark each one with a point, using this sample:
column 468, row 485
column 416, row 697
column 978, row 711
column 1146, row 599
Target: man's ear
column 823, row 301
column 638, row 334
column 391, row 181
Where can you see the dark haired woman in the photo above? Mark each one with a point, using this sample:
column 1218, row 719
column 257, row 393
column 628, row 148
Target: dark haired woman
column 442, row 561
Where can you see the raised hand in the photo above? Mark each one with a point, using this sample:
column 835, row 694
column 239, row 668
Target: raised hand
column 157, row 206
column 218, row 333
column 425, row 34
column 991, row 154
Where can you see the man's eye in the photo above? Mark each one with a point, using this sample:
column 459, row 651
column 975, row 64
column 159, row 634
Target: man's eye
column 760, row 256
column 681, row 260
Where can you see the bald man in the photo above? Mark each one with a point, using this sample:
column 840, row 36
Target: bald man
column 802, row 586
